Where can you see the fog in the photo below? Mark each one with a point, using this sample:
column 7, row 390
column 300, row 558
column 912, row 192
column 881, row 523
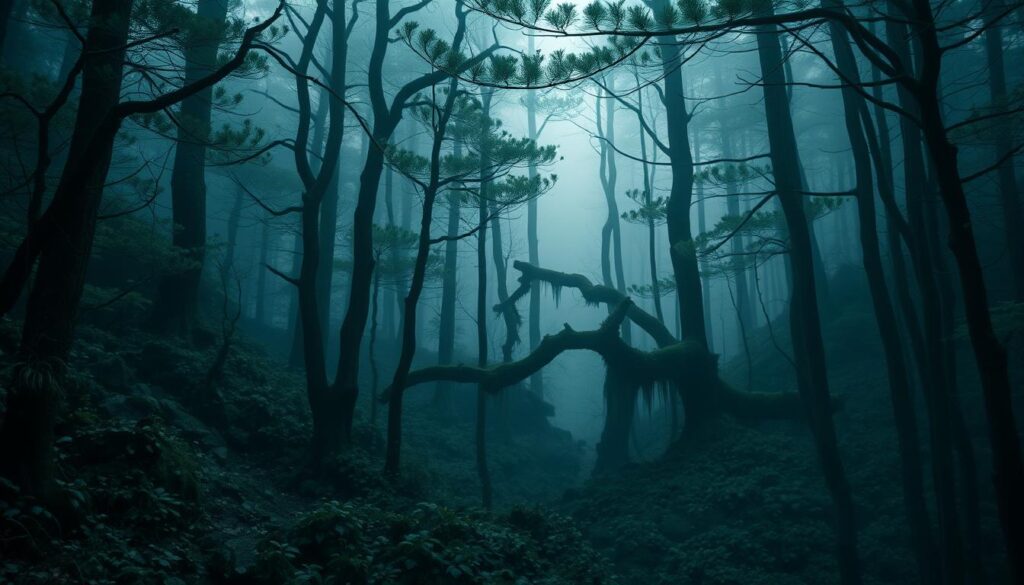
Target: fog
column 511, row 291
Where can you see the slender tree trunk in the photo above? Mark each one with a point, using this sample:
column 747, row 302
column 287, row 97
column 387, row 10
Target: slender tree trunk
column 702, row 226
column 176, row 308
column 1009, row 198
column 737, row 246
column 962, row 444
column 885, row 316
column 412, row 299
column 805, row 322
column 648, row 196
column 449, row 289
column 481, row 348
column 325, row 402
column 328, row 238
column 374, row 373
column 611, row 232
column 232, row 241
column 681, row 246
column 989, row 352
column 26, row 438
column 936, row 380
column 261, row 280
column 386, row 118
column 391, row 297
column 532, row 242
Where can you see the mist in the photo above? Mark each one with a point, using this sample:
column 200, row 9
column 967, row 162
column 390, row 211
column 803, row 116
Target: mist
column 511, row 291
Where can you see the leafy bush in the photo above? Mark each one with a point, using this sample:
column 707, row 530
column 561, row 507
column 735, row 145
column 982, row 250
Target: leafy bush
column 357, row 542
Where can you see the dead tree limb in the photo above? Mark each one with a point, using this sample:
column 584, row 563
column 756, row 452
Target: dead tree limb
column 688, row 366
column 594, row 294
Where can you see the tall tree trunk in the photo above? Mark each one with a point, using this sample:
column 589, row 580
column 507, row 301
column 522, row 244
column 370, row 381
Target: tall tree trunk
column 648, row 196
column 936, row 380
column 702, row 226
column 261, row 280
column 962, row 444
column 737, row 246
column 232, row 240
column 854, row 106
column 620, row 406
column 989, row 352
column 481, row 348
column 532, row 242
column 325, row 403
column 449, row 289
column 805, row 322
column 681, row 246
column 385, row 119
column 328, row 206
column 26, row 438
column 408, row 348
column 374, row 373
column 392, row 300
column 176, row 309
column 611, row 234
column 1006, row 174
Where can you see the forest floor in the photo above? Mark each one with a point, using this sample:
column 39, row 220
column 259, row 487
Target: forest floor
column 169, row 493
column 746, row 503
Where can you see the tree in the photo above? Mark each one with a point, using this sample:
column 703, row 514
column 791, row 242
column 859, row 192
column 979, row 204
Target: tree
column 386, row 115
column 492, row 155
column 61, row 241
column 177, row 302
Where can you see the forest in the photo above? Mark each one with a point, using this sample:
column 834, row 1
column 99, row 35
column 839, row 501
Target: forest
column 511, row 292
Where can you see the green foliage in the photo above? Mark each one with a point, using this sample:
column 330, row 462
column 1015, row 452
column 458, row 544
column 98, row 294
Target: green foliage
column 394, row 249
column 359, row 542
column 610, row 15
column 731, row 173
column 666, row 286
column 650, row 210
column 764, row 231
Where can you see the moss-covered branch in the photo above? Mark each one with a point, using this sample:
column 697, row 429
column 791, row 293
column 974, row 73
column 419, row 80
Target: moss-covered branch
column 687, row 365
column 601, row 341
column 594, row 294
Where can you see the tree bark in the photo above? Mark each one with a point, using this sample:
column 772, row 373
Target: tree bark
column 1009, row 198
column 682, row 250
column 482, row 394
column 885, row 316
column 648, row 195
column 394, row 437
column 805, row 321
column 532, row 241
column 620, row 406
column 449, row 289
column 176, row 308
column 385, row 119
column 26, row 438
column 232, row 240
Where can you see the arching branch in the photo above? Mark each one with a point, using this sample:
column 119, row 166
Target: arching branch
column 594, row 294
column 687, row 365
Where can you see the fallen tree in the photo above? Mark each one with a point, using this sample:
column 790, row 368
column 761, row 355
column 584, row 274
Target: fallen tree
column 684, row 367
